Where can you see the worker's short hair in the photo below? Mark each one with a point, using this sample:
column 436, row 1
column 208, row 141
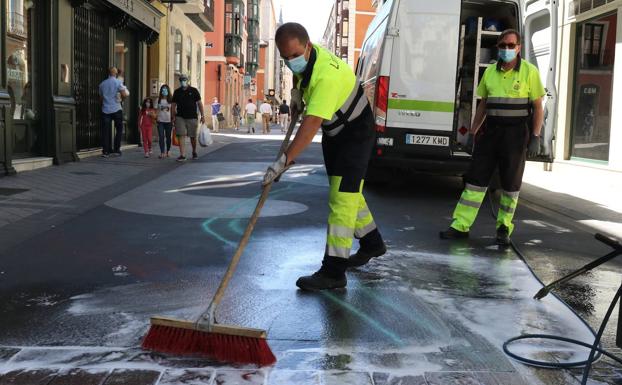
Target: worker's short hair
column 291, row 31
column 509, row 32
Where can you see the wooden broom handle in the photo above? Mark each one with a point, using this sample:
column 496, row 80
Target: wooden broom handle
column 250, row 226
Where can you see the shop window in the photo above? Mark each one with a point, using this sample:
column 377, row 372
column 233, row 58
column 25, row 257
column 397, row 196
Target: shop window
column 593, row 88
column 19, row 59
column 178, row 47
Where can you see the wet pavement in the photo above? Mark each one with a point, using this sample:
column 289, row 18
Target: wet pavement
column 76, row 299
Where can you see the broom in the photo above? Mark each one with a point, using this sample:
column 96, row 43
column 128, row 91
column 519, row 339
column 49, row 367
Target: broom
column 204, row 337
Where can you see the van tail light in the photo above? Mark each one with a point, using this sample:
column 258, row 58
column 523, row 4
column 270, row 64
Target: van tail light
column 382, row 102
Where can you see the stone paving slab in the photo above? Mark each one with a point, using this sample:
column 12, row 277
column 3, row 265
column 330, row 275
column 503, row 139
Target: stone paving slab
column 134, row 377
column 80, row 377
column 28, row 377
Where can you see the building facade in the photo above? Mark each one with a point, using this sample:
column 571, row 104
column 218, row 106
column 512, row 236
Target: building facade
column 346, row 28
column 232, row 54
column 58, row 51
column 589, row 128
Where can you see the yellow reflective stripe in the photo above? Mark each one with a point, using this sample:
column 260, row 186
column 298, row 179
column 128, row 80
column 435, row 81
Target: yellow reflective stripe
column 507, row 113
column 340, row 252
column 340, row 231
column 362, row 214
column 363, row 231
column 469, row 203
column 473, row 187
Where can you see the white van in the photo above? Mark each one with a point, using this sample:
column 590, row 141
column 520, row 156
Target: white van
column 421, row 62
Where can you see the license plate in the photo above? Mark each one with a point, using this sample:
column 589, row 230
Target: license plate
column 427, row 140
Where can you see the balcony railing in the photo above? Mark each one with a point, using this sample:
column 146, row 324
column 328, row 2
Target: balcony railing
column 17, row 25
column 201, row 12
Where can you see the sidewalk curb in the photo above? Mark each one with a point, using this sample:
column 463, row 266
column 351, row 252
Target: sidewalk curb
column 566, row 215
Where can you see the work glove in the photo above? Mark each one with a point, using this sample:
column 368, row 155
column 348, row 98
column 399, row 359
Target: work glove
column 296, row 101
column 534, row 146
column 274, row 171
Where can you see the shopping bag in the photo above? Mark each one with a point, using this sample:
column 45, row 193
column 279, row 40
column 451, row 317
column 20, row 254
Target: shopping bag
column 220, row 117
column 205, row 138
column 175, row 138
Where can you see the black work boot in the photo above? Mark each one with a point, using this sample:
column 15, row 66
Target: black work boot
column 332, row 275
column 503, row 236
column 452, row 233
column 371, row 246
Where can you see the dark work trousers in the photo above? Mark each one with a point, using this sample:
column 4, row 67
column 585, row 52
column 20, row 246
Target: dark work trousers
column 346, row 156
column 164, row 136
column 503, row 145
column 107, row 145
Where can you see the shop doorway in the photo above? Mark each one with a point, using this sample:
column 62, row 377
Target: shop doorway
column 90, row 69
column 125, row 58
column 593, row 89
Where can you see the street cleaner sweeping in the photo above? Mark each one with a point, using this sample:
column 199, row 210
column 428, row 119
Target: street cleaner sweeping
column 335, row 101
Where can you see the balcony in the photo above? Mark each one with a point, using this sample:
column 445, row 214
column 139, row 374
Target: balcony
column 253, row 30
column 17, row 25
column 201, row 12
column 251, row 69
column 233, row 48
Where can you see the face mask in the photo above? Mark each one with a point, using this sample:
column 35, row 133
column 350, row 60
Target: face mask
column 297, row 64
column 507, row 55
column 184, row 83
column 164, row 92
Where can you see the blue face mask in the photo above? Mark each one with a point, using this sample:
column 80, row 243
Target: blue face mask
column 164, row 91
column 297, row 64
column 507, row 55
column 184, row 83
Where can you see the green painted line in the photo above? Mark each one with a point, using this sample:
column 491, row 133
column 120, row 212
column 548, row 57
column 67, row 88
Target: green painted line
column 421, row 105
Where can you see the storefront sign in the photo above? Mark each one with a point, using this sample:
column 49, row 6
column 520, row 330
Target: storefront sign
column 141, row 11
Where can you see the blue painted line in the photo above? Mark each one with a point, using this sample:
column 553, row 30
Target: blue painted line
column 372, row 322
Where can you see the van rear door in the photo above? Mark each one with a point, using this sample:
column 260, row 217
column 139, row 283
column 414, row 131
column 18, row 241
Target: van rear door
column 423, row 68
column 540, row 48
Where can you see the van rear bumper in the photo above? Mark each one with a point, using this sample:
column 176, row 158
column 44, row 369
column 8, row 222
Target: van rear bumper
column 413, row 157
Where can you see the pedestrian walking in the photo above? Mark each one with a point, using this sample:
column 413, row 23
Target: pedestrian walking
column 266, row 112
column 165, row 126
column 250, row 111
column 511, row 93
column 336, row 102
column 236, row 111
column 186, row 101
column 215, row 112
column 146, row 117
column 283, row 115
column 111, row 93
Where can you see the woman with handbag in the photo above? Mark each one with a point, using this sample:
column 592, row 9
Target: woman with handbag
column 165, row 127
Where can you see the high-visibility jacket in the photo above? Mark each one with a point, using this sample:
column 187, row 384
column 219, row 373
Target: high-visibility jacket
column 331, row 91
column 510, row 94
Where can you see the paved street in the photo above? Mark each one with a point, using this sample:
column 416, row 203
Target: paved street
column 90, row 250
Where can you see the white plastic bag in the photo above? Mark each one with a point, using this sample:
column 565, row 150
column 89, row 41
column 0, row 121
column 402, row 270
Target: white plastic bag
column 205, row 138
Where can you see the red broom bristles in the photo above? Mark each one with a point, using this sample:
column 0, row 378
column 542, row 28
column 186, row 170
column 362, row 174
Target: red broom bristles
column 221, row 347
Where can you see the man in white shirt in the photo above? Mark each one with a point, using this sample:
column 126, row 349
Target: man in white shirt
column 266, row 114
column 249, row 113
